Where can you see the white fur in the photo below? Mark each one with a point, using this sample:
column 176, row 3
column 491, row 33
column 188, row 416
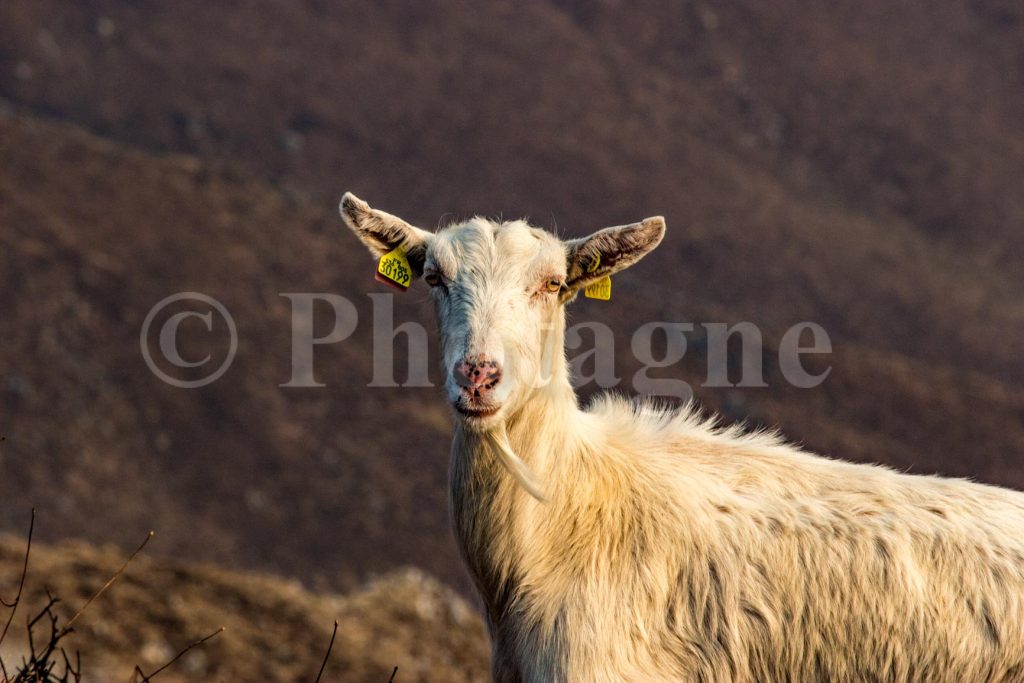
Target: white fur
column 669, row 550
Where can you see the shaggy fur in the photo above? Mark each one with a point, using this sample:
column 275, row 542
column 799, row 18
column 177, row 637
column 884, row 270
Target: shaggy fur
column 669, row 550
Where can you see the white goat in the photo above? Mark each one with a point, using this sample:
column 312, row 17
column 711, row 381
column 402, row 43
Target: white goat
column 668, row 550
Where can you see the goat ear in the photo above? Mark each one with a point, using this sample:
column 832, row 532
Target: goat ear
column 381, row 232
column 608, row 251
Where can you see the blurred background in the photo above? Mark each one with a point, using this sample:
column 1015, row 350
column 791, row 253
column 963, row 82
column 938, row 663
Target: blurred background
column 856, row 164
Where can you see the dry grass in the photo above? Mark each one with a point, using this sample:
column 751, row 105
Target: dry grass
column 148, row 614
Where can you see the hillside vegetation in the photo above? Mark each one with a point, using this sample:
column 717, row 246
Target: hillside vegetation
column 860, row 165
column 274, row 629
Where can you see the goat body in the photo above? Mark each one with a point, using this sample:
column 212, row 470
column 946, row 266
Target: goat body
column 669, row 550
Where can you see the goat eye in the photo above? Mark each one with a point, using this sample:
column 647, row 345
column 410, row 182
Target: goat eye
column 432, row 279
column 553, row 285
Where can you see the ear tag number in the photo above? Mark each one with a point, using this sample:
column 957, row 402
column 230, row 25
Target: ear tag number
column 393, row 269
column 602, row 289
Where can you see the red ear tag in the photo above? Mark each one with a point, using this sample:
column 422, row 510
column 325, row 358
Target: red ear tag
column 393, row 269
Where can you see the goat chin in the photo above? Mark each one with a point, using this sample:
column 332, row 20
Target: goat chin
column 497, row 438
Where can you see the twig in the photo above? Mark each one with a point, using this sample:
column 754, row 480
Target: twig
column 197, row 643
column 393, row 673
column 330, row 646
column 108, row 584
column 39, row 666
column 74, row 671
column 21, row 584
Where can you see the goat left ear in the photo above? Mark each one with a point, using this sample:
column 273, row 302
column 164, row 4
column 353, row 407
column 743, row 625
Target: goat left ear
column 381, row 232
column 608, row 251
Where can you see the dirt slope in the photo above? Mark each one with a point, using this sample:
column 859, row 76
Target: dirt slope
column 860, row 167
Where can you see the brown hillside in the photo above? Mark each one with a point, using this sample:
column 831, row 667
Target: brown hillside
column 859, row 165
column 876, row 146
column 317, row 482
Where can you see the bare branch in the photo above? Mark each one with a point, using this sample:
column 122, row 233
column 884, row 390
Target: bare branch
column 21, row 584
column 39, row 666
column 145, row 679
column 108, row 584
column 327, row 654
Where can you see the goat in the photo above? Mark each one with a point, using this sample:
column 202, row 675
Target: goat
column 627, row 542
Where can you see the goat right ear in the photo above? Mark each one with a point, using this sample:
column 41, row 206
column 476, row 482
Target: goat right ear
column 382, row 233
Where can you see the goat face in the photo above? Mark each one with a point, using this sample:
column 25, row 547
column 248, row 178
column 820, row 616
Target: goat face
column 498, row 289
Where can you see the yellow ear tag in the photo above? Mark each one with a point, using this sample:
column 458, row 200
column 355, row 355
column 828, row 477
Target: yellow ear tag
column 394, row 269
column 602, row 289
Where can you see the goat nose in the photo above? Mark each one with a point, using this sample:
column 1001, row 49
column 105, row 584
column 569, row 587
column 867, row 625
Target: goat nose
column 477, row 375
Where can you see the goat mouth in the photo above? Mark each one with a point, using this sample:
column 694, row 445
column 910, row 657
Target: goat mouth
column 479, row 413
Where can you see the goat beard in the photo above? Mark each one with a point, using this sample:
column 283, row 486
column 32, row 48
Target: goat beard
column 498, row 440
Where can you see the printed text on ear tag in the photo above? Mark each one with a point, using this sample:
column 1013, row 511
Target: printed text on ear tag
column 602, row 289
column 394, row 269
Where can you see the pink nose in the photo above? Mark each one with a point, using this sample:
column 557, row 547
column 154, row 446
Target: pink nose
column 477, row 376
